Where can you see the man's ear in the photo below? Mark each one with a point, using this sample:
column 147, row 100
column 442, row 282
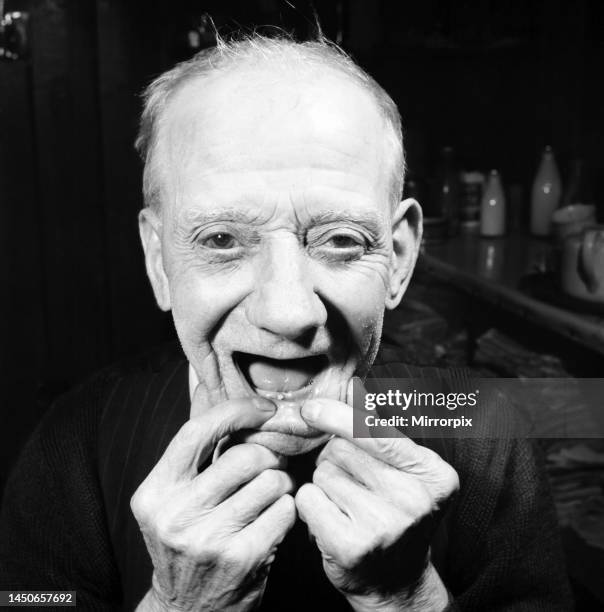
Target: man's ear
column 406, row 240
column 149, row 227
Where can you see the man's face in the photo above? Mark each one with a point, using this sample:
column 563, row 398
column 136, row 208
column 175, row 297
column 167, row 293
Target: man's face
column 274, row 245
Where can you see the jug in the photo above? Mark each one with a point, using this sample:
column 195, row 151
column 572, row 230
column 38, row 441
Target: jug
column 582, row 264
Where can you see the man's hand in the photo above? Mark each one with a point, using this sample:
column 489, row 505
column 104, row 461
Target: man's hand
column 373, row 507
column 212, row 536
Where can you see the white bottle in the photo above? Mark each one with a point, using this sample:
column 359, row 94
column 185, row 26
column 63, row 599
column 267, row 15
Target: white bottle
column 492, row 208
column 545, row 197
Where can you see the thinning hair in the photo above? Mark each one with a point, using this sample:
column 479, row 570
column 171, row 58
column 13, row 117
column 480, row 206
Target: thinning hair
column 264, row 51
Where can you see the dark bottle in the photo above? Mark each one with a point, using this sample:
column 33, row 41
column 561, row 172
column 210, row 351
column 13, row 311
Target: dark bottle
column 445, row 201
column 579, row 190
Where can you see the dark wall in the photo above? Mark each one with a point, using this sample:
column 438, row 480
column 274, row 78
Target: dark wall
column 76, row 296
column 75, row 291
column 498, row 80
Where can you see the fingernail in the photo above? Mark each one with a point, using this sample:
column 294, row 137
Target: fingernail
column 311, row 409
column 263, row 404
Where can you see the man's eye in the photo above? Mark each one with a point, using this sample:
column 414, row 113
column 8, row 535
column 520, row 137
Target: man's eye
column 220, row 240
column 343, row 241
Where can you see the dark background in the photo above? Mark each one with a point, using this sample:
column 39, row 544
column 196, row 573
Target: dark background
column 497, row 79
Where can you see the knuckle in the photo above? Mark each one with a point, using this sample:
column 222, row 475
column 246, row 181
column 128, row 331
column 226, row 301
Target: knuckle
column 273, row 482
column 258, row 455
column 245, row 453
column 451, row 479
column 247, row 459
column 386, row 524
column 164, row 530
column 137, row 505
column 208, row 553
column 338, row 446
column 433, row 461
column 420, row 502
column 191, row 430
column 443, row 481
column 388, row 448
column 347, row 559
column 237, row 557
column 289, row 506
column 323, row 472
column 287, row 513
column 423, row 506
column 141, row 504
column 304, row 495
column 353, row 553
column 369, row 543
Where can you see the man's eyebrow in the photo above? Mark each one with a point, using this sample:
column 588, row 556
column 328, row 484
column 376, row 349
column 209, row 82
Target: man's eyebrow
column 372, row 221
column 237, row 215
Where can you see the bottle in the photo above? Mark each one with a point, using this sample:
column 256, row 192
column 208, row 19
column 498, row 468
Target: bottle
column 546, row 193
column 470, row 201
column 446, row 197
column 492, row 207
column 579, row 190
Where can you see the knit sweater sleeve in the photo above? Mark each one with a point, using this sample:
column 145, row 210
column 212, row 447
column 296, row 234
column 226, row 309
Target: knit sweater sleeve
column 504, row 549
column 53, row 533
column 500, row 541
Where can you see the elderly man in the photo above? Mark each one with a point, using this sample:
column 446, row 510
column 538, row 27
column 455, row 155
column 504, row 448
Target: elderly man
column 229, row 478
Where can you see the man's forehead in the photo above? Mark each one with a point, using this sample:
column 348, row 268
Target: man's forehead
column 251, row 111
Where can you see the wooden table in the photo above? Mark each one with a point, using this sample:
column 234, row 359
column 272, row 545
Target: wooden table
column 492, row 269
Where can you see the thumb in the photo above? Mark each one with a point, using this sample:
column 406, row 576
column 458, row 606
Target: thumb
column 197, row 438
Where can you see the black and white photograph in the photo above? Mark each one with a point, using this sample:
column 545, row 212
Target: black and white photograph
column 303, row 305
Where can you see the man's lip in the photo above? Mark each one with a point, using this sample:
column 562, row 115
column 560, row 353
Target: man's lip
column 293, row 396
column 287, row 420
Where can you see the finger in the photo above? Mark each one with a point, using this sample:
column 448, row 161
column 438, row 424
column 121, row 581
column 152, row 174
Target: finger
column 349, row 496
column 244, row 506
column 337, row 418
column 197, row 437
column 372, row 473
column 238, row 465
column 355, row 381
column 270, row 528
column 404, row 491
column 326, row 522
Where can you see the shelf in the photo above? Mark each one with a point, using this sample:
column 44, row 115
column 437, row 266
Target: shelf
column 493, row 270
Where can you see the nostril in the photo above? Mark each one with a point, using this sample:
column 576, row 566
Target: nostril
column 307, row 337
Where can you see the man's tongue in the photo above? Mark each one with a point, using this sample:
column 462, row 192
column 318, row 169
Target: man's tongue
column 280, row 375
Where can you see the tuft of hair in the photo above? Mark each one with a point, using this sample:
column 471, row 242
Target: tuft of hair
column 279, row 51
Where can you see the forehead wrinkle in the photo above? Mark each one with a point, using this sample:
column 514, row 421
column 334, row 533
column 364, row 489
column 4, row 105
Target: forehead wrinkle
column 218, row 158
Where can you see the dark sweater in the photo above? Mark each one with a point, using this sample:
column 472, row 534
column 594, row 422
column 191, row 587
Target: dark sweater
column 66, row 522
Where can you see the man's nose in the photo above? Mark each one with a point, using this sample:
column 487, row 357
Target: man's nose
column 284, row 301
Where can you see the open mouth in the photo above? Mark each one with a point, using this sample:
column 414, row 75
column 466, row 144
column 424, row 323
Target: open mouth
column 279, row 376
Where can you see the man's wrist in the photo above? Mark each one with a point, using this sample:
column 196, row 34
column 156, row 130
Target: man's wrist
column 429, row 594
column 150, row 603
